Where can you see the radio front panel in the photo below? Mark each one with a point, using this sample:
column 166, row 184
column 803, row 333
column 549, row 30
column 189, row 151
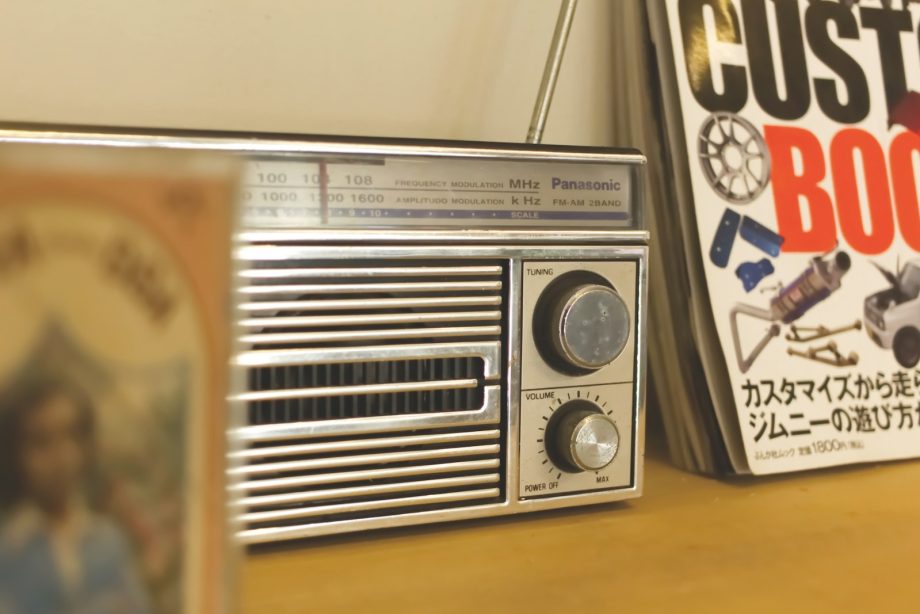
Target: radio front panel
column 428, row 331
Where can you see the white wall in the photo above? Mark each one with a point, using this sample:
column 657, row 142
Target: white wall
column 426, row 68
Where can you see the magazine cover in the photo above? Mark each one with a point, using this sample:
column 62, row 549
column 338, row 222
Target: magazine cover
column 801, row 128
column 114, row 276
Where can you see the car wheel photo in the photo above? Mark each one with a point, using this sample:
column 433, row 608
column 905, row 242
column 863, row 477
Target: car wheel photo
column 907, row 347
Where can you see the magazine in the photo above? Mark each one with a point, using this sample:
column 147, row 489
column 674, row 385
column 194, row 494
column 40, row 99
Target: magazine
column 790, row 155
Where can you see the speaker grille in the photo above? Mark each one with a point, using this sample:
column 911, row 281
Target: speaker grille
column 374, row 388
column 348, row 390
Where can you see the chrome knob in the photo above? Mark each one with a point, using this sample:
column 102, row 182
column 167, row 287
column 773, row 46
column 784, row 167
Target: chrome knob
column 580, row 437
column 583, row 326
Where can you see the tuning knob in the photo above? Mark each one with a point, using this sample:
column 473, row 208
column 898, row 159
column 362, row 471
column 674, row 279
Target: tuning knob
column 581, row 323
column 580, row 437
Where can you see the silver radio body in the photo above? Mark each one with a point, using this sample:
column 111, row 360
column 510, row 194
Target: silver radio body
column 429, row 331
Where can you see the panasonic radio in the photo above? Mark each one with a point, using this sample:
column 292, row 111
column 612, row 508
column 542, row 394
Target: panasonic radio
column 428, row 331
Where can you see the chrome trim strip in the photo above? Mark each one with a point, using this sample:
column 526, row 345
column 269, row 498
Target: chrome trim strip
column 382, row 458
column 447, row 237
column 422, row 286
column 368, row 319
column 513, row 351
column 348, row 272
column 489, row 351
column 360, row 506
column 640, row 380
column 500, row 508
column 488, row 414
column 373, row 335
column 364, row 491
column 375, row 303
column 341, row 391
column 365, row 474
column 546, row 249
column 330, row 447
column 283, row 144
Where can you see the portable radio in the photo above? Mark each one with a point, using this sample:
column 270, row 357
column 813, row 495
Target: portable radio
column 429, row 331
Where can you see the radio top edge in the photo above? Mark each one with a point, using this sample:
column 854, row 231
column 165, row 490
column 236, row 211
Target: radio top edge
column 309, row 182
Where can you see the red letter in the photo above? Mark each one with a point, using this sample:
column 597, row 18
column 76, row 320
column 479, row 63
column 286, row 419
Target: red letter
column 905, row 186
column 788, row 188
column 845, row 144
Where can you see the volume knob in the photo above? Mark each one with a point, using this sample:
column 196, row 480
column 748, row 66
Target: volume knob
column 580, row 437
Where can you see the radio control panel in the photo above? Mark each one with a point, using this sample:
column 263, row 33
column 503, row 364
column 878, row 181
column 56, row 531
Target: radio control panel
column 578, row 372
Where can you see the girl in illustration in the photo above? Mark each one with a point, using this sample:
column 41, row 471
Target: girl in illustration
column 58, row 553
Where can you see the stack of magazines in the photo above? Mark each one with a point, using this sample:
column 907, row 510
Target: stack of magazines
column 784, row 149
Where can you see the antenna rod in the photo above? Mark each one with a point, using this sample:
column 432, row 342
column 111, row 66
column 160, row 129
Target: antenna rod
column 551, row 70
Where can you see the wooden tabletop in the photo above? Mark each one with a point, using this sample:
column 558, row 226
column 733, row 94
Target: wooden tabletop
column 841, row 540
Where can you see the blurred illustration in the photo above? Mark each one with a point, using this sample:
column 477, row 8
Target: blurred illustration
column 734, row 157
column 114, row 331
column 91, row 483
column 818, row 281
column 906, row 112
column 893, row 315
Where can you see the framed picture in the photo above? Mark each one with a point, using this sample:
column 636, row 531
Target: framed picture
column 115, row 274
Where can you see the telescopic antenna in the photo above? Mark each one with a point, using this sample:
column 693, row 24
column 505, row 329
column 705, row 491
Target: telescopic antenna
column 551, row 70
